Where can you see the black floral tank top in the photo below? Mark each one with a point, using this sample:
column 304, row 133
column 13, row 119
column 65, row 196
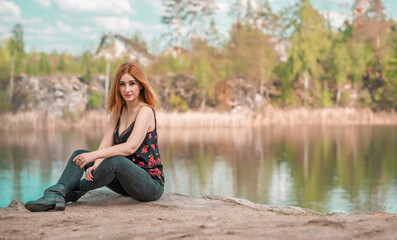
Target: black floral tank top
column 147, row 156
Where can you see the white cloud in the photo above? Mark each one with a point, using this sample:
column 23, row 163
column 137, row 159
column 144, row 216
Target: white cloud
column 117, row 24
column 44, row 3
column 119, row 6
column 223, row 7
column 86, row 29
column 9, row 11
column 64, row 27
column 340, row 1
column 5, row 35
column 157, row 6
column 32, row 21
column 336, row 18
column 10, row 7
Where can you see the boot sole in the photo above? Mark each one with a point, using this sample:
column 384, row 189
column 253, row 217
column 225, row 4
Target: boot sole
column 37, row 207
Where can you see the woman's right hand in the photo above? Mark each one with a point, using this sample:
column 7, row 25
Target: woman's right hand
column 88, row 173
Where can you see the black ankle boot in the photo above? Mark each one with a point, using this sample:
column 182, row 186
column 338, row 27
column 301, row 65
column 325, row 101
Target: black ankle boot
column 74, row 195
column 53, row 198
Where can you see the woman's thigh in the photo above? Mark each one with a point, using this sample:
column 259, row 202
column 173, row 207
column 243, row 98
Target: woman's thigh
column 115, row 186
column 136, row 182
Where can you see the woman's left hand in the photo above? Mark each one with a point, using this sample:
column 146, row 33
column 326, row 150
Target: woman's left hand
column 83, row 159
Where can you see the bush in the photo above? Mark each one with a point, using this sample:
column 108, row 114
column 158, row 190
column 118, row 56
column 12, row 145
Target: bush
column 178, row 103
column 4, row 101
column 95, row 100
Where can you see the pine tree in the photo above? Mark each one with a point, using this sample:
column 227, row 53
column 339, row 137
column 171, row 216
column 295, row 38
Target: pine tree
column 17, row 52
column 175, row 14
column 309, row 41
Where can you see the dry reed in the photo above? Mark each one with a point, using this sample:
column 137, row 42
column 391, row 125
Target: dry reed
column 191, row 119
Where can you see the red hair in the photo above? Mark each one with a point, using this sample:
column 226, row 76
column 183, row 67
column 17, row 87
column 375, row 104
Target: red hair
column 146, row 94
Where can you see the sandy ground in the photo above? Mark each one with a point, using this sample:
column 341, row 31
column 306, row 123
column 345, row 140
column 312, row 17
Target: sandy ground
column 105, row 215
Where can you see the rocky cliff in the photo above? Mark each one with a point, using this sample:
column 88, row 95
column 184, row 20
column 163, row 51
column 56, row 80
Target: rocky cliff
column 66, row 95
column 58, row 95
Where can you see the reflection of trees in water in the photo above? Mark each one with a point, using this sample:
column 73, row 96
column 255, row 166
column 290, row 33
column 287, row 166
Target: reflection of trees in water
column 301, row 165
column 358, row 159
column 40, row 154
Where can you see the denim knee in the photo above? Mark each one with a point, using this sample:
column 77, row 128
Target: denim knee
column 76, row 153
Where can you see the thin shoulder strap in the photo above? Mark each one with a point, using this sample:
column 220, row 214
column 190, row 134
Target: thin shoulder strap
column 154, row 114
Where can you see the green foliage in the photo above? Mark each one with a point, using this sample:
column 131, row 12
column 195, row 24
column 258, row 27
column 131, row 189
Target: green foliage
column 5, row 61
column 95, row 100
column 86, row 65
column 61, row 64
column 44, row 64
column 284, row 75
column 178, row 102
column 17, row 47
column 323, row 97
column 4, row 101
column 359, row 58
column 345, row 98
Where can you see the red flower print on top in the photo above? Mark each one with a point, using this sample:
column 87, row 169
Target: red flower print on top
column 153, row 146
column 150, row 136
column 152, row 160
column 140, row 164
column 144, row 150
column 155, row 171
column 155, row 137
column 158, row 160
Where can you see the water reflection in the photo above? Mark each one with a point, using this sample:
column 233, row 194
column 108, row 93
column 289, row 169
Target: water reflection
column 343, row 169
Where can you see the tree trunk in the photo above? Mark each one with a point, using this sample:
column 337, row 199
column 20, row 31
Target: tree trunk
column 203, row 102
column 262, row 73
column 11, row 86
column 338, row 95
column 179, row 35
column 306, row 84
column 107, row 80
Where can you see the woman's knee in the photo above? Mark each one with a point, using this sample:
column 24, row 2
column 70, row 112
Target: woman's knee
column 76, row 153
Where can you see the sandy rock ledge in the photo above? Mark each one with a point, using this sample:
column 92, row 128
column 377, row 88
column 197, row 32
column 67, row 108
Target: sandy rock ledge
column 103, row 214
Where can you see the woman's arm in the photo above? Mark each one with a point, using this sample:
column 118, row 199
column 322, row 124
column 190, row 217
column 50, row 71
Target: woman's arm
column 144, row 120
column 107, row 140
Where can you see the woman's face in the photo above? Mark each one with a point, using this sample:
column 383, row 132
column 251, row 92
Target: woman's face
column 129, row 88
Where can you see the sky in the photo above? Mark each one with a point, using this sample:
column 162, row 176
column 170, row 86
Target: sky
column 74, row 26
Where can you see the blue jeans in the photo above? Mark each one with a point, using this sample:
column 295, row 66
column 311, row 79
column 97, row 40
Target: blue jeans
column 117, row 173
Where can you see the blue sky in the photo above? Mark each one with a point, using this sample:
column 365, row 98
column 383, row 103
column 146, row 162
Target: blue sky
column 77, row 25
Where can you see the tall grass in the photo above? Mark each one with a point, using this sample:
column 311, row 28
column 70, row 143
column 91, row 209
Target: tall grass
column 192, row 119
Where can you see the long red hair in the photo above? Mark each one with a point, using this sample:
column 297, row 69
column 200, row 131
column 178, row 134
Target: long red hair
column 147, row 95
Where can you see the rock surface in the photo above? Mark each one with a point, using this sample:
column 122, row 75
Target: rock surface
column 58, row 95
column 105, row 215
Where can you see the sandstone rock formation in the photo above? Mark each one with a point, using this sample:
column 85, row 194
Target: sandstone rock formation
column 58, row 95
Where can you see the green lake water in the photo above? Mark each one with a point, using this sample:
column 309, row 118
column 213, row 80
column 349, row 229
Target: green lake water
column 348, row 169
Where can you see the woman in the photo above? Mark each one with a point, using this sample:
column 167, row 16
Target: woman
column 128, row 158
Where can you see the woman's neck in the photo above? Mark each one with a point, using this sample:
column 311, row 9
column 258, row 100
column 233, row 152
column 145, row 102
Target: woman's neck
column 131, row 106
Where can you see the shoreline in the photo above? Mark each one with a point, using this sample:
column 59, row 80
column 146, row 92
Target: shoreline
column 208, row 119
column 103, row 214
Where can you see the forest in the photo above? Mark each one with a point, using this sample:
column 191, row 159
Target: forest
column 294, row 57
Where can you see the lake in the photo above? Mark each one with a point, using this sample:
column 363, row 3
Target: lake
column 348, row 169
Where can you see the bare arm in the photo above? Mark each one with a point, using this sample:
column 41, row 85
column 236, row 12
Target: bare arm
column 143, row 122
column 107, row 140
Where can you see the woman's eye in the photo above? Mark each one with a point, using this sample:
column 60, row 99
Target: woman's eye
column 122, row 84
